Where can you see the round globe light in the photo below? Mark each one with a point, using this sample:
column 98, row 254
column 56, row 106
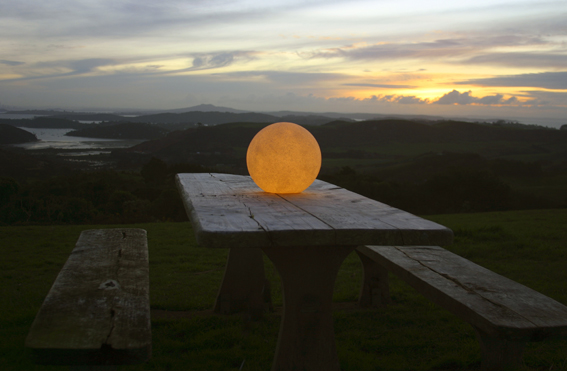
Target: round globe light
column 283, row 158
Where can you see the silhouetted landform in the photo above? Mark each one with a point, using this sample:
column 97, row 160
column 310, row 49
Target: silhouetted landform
column 447, row 182
column 12, row 135
column 288, row 115
column 206, row 118
column 442, row 167
column 382, row 131
column 186, row 119
column 127, row 130
column 21, row 164
column 208, row 115
column 36, row 112
column 218, row 118
column 192, row 143
column 78, row 116
column 44, row 122
column 92, row 116
column 206, row 108
column 310, row 120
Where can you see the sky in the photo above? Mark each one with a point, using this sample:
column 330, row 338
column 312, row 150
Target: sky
column 460, row 58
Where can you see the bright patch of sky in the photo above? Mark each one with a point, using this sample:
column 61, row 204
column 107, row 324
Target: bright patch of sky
column 362, row 55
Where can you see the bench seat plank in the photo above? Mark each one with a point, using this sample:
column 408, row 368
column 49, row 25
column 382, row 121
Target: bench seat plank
column 492, row 303
column 97, row 311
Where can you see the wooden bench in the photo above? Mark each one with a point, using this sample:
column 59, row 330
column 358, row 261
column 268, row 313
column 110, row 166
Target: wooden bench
column 97, row 311
column 504, row 313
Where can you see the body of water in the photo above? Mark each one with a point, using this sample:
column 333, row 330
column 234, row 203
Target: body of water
column 56, row 139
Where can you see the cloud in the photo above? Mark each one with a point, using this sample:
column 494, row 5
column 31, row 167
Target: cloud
column 401, row 99
column 389, row 51
column 76, row 67
column 544, row 80
column 411, row 99
column 200, row 61
column 11, row 63
column 441, row 48
column 542, row 60
column 205, row 62
column 457, row 98
column 546, row 98
column 352, row 102
column 385, row 86
column 286, row 78
column 104, row 19
column 87, row 65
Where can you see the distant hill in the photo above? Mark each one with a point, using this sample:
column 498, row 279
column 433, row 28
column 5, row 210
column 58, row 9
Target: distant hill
column 206, row 118
column 35, row 112
column 78, row 116
column 184, row 119
column 223, row 139
column 206, row 108
column 279, row 116
column 44, row 122
column 218, row 118
column 12, row 135
column 127, row 130
column 19, row 163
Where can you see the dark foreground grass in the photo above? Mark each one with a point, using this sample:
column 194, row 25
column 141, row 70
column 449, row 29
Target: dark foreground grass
column 411, row 334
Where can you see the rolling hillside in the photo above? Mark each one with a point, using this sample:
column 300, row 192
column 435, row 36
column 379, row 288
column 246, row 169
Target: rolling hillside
column 12, row 135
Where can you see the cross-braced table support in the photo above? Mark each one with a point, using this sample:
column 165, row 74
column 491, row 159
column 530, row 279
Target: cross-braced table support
column 306, row 339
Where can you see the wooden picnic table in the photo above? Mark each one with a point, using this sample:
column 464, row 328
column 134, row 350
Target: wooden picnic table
column 307, row 236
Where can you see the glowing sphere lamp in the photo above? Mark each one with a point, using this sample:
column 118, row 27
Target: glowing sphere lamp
column 283, row 158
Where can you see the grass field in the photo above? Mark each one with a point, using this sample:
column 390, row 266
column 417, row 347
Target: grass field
column 411, row 334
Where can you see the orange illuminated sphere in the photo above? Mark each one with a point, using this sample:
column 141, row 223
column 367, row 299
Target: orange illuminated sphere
column 283, row 158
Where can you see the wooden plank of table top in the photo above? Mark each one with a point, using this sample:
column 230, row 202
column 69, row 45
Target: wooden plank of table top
column 356, row 216
column 491, row 302
column 217, row 213
column 230, row 210
column 97, row 311
column 227, row 212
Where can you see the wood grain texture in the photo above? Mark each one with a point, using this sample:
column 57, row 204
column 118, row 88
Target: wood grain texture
column 244, row 285
column 495, row 305
column 231, row 211
column 97, row 311
column 306, row 340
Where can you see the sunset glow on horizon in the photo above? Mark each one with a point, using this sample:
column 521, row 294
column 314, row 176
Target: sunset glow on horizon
column 504, row 58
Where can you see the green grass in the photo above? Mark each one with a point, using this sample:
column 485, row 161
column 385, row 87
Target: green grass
column 410, row 334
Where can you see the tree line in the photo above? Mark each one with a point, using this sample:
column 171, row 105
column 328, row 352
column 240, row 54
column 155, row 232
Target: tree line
column 465, row 183
column 96, row 197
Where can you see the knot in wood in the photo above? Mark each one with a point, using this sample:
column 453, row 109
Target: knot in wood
column 109, row 285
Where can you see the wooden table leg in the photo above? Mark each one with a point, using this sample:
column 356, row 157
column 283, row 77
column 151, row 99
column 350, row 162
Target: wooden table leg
column 499, row 353
column 375, row 290
column 244, row 286
column 307, row 339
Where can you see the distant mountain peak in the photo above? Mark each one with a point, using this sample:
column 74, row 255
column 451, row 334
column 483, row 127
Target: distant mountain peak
column 207, row 108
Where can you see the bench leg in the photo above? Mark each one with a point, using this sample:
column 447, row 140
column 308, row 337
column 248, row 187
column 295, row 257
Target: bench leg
column 498, row 353
column 306, row 339
column 244, row 286
column 375, row 290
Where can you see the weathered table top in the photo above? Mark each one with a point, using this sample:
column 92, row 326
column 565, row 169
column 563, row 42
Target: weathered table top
column 231, row 211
